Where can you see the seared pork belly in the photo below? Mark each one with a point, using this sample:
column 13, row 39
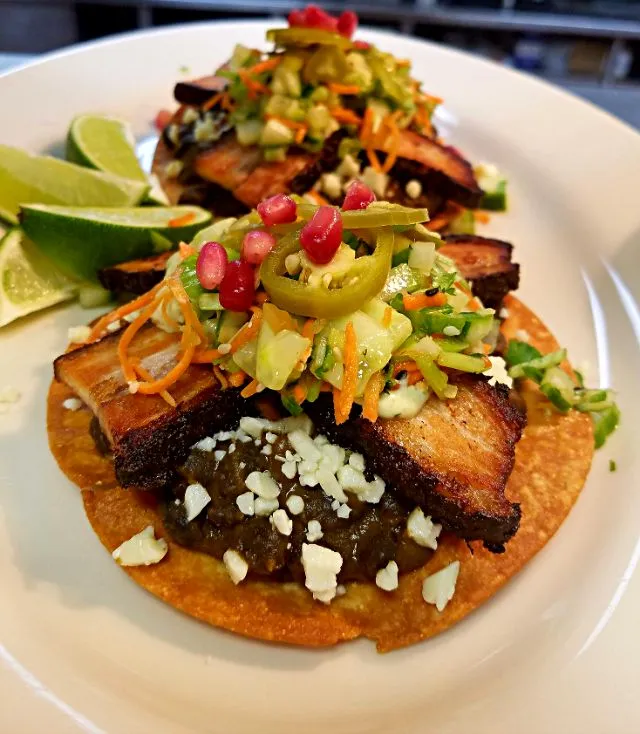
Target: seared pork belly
column 147, row 436
column 453, row 459
column 486, row 264
column 135, row 276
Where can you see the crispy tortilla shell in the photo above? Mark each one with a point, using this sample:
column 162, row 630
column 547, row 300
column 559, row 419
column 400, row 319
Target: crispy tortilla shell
column 552, row 463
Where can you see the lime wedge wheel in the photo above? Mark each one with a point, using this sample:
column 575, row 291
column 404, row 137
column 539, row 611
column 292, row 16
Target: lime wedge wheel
column 81, row 240
column 107, row 144
column 28, row 282
column 34, row 179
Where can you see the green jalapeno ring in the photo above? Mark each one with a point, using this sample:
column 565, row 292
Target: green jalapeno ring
column 369, row 271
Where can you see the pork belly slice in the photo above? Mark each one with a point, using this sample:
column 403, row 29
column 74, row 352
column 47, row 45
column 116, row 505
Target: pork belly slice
column 147, row 436
column 453, row 459
column 197, row 92
column 440, row 169
column 486, row 263
column 268, row 179
column 135, row 276
column 227, row 163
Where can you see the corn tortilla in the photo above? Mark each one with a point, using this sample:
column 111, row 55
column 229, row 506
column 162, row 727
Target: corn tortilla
column 552, row 462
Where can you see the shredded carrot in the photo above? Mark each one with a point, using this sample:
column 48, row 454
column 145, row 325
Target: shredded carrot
column 432, row 98
column 213, row 101
column 267, row 65
column 186, row 250
column 237, row 378
column 183, row 220
column 227, row 102
column 318, row 197
column 406, row 365
column 486, row 348
column 308, row 330
column 371, row 394
column 224, row 383
column 343, row 399
column 299, row 394
column 402, row 62
column 474, row 304
column 367, row 126
column 127, row 337
column 394, row 144
column 146, row 375
column 174, row 374
column 253, row 86
column 342, row 114
column 250, row 389
column 481, row 217
column 301, row 134
column 190, row 318
column 414, row 377
column 415, row 301
column 388, row 315
column 373, row 159
column 119, row 313
column 291, row 124
column 206, row 356
column 247, row 332
column 343, row 88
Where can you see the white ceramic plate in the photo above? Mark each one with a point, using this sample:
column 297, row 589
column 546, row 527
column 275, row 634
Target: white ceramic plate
column 83, row 648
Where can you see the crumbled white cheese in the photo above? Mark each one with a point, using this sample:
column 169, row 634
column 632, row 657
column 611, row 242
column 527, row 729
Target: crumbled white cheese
column 224, row 436
column 295, row 504
column 242, row 464
column 235, row 564
column 352, row 478
column 321, row 568
column 314, row 531
column 413, row 188
column 439, row 588
column 196, row 498
column 204, row 130
column 219, row 454
column 263, row 484
column 422, row 530
column 387, row 577
column 357, row 462
column 374, row 491
column 333, row 457
column 320, row 441
column 79, row 334
column 335, row 505
column 282, row 522
column 206, row 444
column 265, row 507
column 451, row 330
column 9, row 394
column 72, row 404
column 232, row 448
column 377, row 181
column 289, row 469
column 504, row 313
column 330, row 484
column 343, row 511
column 523, row 335
column 349, row 167
column 246, row 503
column 143, row 549
column 253, row 426
column 271, row 437
column 266, row 450
column 498, row 372
column 243, row 437
column 331, row 184
column 304, row 446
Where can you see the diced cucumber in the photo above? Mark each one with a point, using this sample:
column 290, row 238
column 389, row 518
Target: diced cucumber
column 287, row 81
column 478, row 326
column 495, row 200
column 318, row 118
column 542, row 363
column 604, row 423
column 249, row 132
column 435, row 320
column 210, row 302
column 435, row 378
column 422, row 256
column 464, row 223
column 399, row 328
column 275, row 155
column 453, row 344
column 320, row 94
column 277, row 356
column 559, row 388
column 494, row 185
column 463, row 362
column 230, row 322
column 275, row 133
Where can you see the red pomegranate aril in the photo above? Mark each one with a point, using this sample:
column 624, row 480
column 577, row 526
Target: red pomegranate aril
column 256, row 245
column 315, row 17
column 296, row 18
column 163, row 118
column 347, row 23
column 278, row 209
column 358, row 196
column 238, row 289
column 362, row 45
column 211, row 265
column 322, row 234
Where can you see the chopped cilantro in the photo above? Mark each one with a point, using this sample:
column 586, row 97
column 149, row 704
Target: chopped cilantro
column 519, row 352
column 444, row 281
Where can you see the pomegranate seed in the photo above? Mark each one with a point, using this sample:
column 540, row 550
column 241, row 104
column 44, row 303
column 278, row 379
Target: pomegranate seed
column 278, row 209
column 347, row 23
column 211, row 265
column 358, row 196
column 315, row 17
column 296, row 18
column 238, row 288
column 256, row 245
column 163, row 118
column 322, row 234
column 362, row 45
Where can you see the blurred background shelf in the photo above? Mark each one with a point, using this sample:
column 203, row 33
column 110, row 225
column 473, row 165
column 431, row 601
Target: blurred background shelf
column 591, row 48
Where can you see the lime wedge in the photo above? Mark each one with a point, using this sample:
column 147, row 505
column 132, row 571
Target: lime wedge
column 28, row 282
column 107, row 144
column 26, row 179
column 81, row 240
